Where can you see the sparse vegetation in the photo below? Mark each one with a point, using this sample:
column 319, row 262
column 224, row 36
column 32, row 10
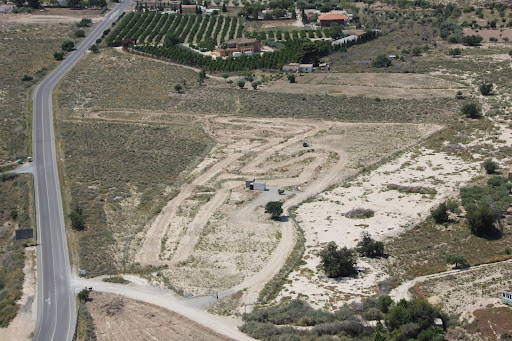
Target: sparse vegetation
column 15, row 213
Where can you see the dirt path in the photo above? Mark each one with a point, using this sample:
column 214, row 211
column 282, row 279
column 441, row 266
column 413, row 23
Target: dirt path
column 165, row 299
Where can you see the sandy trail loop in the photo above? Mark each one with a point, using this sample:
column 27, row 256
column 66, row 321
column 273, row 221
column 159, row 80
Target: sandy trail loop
column 149, row 252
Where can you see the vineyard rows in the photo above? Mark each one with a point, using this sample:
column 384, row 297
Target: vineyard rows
column 151, row 28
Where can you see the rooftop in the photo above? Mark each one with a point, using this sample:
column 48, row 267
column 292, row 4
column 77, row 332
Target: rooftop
column 332, row 16
column 242, row 41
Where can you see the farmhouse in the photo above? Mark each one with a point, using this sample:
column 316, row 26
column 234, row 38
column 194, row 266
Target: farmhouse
column 188, row 9
column 6, row 8
column 328, row 19
column 241, row 45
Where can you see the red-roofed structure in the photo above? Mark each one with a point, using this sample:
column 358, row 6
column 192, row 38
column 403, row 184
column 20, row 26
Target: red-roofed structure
column 329, row 18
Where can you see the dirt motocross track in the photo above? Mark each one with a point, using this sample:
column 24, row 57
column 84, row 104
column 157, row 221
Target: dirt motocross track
column 214, row 234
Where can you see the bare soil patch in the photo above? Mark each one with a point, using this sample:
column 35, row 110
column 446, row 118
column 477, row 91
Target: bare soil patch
column 393, row 86
column 498, row 33
column 53, row 16
column 215, row 235
column 119, row 318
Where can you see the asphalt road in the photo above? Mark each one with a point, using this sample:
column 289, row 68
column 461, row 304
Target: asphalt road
column 56, row 311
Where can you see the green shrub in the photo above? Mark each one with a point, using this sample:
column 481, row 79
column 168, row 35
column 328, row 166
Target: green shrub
column 440, row 214
column 67, row 46
column 275, row 208
column 77, row 221
column 79, row 33
column 367, row 247
column 58, row 55
column 490, row 166
column 486, row 88
column 458, row 259
column 338, row 262
column 472, row 110
column 481, row 220
column 84, row 23
column 381, row 61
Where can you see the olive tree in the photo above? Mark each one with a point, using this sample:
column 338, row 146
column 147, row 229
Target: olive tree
column 338, row 262
column 457, row 259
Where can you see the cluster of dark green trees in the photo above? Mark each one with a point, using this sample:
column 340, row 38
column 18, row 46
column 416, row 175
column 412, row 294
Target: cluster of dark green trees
column 405, row 320
column 279, row 9
column 341, row 262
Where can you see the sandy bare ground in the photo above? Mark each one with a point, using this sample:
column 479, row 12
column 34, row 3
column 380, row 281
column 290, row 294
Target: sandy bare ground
column 324, row 220
column 120, row 318
column 221, row 176
column 24, row 324
column 393, row 86
column 486, row 34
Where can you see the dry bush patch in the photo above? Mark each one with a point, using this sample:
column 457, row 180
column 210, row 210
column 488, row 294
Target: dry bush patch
column 120, row 173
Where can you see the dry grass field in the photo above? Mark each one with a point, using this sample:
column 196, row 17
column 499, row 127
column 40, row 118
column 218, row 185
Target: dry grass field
column 26, row 50
column 383, row 86
column 16, row 212
column 89, row 87
column 120, row 174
